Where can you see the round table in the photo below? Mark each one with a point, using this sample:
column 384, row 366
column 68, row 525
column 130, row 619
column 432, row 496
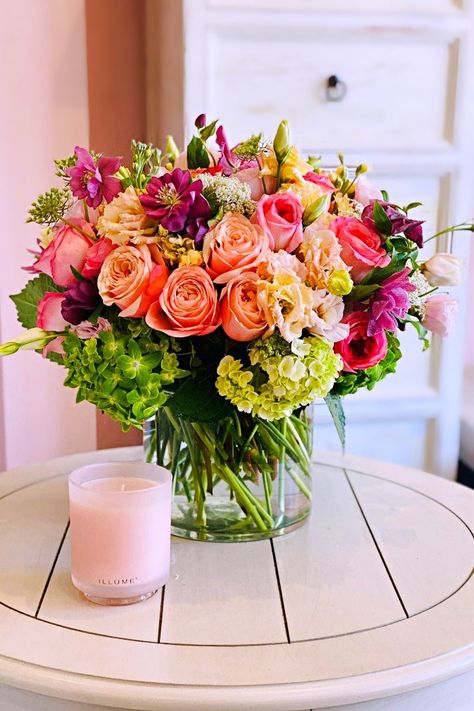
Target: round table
column 369, row 605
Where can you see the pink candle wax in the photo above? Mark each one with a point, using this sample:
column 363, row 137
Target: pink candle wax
column 120, row 530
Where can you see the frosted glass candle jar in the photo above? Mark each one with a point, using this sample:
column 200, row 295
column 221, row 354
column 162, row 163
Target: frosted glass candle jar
column 120, row 530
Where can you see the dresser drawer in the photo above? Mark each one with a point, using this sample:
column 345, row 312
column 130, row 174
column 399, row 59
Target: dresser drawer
column 395, row 92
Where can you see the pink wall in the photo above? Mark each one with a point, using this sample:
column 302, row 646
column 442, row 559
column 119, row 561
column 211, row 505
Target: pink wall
column 44, row 114
column 469, row 348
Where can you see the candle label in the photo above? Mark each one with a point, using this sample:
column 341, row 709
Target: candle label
column 118, row 581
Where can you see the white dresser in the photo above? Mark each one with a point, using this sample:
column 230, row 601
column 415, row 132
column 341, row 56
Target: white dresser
column 404, row 76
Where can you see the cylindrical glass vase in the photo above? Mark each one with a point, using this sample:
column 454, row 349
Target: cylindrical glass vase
column 239, row 479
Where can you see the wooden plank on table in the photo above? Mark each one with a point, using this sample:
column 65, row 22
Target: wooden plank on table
column 222, row 593
column 32, row 524
column 428, row 549
column 64, row 605
column 332, row 577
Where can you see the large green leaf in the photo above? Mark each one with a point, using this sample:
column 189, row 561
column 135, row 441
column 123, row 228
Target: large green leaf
column 27, row 300
column 197, row 155
column 382, row 222
column 197, row 399
column 334, row 404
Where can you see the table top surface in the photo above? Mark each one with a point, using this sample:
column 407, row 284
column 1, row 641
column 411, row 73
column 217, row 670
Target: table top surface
column 373, row 595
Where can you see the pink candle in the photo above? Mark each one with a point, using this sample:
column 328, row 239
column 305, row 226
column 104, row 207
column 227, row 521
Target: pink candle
column 120, row 530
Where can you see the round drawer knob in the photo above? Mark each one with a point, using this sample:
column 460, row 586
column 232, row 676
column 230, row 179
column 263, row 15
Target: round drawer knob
column 336, row 89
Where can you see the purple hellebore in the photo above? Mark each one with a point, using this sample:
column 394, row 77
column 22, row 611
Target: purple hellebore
column 390, row 302
column 401, row 224
column 93, row 180
column 176, row 201
column 230, row 161
column 80, row 301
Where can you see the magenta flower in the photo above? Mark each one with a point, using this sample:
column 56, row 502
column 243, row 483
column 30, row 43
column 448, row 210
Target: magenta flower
column 390, row 302
column 92, row 179
column 230, row 161
column 176, row 201
column 401, row 224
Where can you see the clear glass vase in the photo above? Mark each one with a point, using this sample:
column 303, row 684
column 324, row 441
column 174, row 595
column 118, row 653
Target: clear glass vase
column 240, row 479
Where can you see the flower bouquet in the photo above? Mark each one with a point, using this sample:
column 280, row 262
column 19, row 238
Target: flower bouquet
column 210, row 296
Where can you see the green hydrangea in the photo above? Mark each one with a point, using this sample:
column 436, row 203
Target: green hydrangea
column 349, row 383
column 125, row 374
column 281, row 377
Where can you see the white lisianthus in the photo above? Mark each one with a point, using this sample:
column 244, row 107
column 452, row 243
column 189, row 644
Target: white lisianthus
column 31, row 340
column 442, row 269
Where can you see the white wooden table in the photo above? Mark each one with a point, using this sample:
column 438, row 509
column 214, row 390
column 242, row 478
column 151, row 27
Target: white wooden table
column 370, row 605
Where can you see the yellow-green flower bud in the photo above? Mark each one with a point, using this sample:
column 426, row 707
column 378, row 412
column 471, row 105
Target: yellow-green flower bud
column 33, row 339
column 339, row 282
column 281, row 142
column 172, row 149
column 315, row 209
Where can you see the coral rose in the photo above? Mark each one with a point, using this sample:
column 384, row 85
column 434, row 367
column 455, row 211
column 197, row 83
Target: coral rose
column 232, row 246
column 132, row 278
column 360, row 351
column 280, row 217
column 68, row 249
column 95, row 257
column 361, row 247
column 188, row 305
column 242, row 316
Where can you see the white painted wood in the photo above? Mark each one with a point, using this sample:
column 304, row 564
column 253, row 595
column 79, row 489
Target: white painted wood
column 426, row 6
column 64, row 605
column 331, row 588
column 395, row 658
column 211, row 585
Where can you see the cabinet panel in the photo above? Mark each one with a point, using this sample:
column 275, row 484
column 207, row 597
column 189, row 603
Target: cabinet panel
column 396, row 90
column 424, row 6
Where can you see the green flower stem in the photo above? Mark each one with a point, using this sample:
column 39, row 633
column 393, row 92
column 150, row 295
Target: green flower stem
column 300, row 483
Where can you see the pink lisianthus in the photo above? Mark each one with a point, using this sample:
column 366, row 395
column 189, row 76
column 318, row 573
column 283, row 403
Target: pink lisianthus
column 440, row 314
column 92, row 179
column 390, row 302
column 361, row 247
column 68, row 249
column 360, row 351
column 281, row 218
column 321, row 180
column 95, row 257
column 365, row 191
column 49, row 316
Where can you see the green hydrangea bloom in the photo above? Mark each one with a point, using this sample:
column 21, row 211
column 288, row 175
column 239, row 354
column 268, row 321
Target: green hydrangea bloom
column 281, row 378
column 126, row 374
column 349, row 383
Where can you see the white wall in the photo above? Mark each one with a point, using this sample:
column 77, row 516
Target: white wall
column 44, row 114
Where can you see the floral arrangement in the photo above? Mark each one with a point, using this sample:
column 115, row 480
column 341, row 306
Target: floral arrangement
column 226, row 288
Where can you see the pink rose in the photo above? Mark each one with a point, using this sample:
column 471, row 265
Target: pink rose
column 95, row 257
column 281, row 217
column 68, row 249
column 360, row 351
column 440, row 314
column 321, row 180
column 365, row 191
column 188, row 305
column 361, row 247
column 132, row 278
column 232, row 246
column 242, row 316
column 49, row 316
column 251, row 176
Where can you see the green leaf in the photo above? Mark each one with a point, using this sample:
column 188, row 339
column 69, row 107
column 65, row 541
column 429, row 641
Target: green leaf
column 421, row 331
column 385, row 195
column 411, row 206
column 197, row 400
column 198, row 157
column 208, row 130
column 362, row 292
column 376, row 276
column 334, row 404
column 27, row 300
column 382, row 222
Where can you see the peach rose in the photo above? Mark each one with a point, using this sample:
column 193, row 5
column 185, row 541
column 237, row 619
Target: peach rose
column 361, row 247
column 280, row 217
column 132, row 278
column 232, row 246
column 188, row 305
column 67, row 249
column 242, row 316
